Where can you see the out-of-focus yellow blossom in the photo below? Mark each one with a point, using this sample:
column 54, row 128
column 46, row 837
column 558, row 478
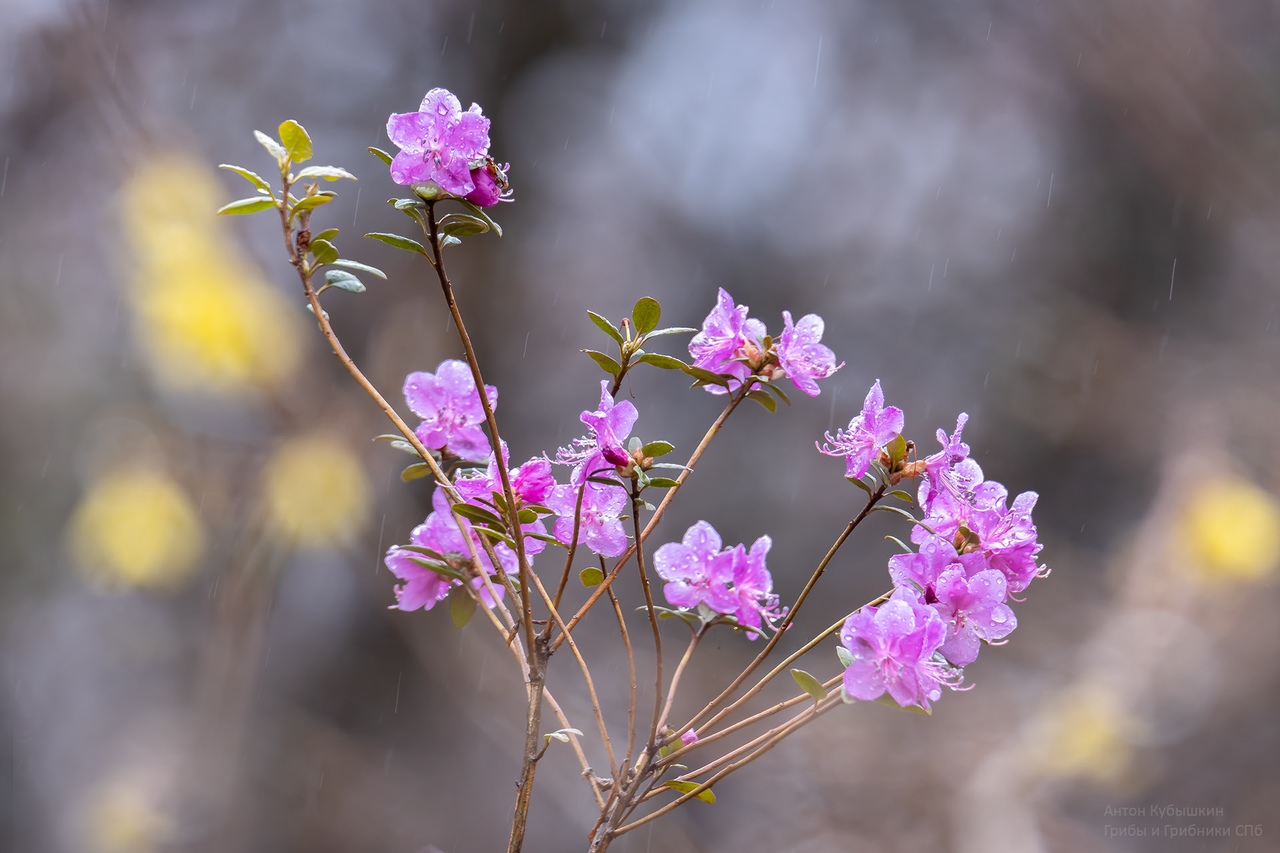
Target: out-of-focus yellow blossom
column 207, row 321
column 316, row 492
column 137, row 527
column 1231, row 530
column 124, row 818
column 1088, row 735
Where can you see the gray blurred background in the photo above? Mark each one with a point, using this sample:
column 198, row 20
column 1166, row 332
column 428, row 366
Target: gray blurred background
column 1058, row 217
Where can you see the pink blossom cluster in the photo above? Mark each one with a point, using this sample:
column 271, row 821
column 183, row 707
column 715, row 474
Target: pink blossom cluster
column 950, row 595
column 733, row 343
column 446, row 149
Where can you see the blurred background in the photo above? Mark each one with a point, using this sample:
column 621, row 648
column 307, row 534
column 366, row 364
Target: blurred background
column 1058, row 217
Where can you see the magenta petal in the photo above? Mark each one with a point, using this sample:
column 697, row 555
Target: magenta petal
column 408, row 167
column 470, row 138
column 864, row 680
column 441, row 105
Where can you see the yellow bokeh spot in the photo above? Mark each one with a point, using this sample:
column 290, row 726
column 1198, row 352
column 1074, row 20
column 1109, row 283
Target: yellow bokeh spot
column 207, row 321
column 123, row 819
column 316, row 492
column 137, row 527
column 1231, row 530
column 1087, row 735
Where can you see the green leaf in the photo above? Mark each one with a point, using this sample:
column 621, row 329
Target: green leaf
column 773, row 386
column 645, row 315
column 674, row 330
column 857, row 481
column 897, row 449
column 895, row 510
column 323, row 251
column 252, row 177
column 704, row 375
column 461, row 606
column 416, row 471
column 657, row 448
column 591, row 577
column 247, row 205
column 398, row 242
column 462, row 225
column 311, row 202
column 275, row 149
column 478, row 515
column 562, row 735
column 809, row 684
column 380, row 154
column 607, row 364
column 663, row 482
column 846, row 656
column 666, row 362
column 480, row 212
column 526, row 516
column 326, row 234
column 437, row 567
column 356, row 265
column 297, row 144
column 906, row 549
column 902, row 496
column 685, row 787
column 763, row 399
column 328, row 173
column 343, row 281
column 606, row 327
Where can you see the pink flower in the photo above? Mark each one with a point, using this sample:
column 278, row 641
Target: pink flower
column 753, row 585
column 950, row 475
column 450, row 408
column 892, row 649
column 697, row 571
column 860, row 443
column 423, row 587
column 727, row 334
column 600, row 526
column 439, row 143
column 610, row 426
column 800, row 355
column 489, row 188
column 689, row 738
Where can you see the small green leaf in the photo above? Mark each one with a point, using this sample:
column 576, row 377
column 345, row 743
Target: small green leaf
column 461, row 606
column 809, row 684
column 846, row 656
column 398, row 242
column 526, row 516
column 685, row 787
column 275, row 149
column 663, row 482
column 591, row 577
column 311, row 202
column 416, row 471
column 674, row 330
column 657, row 448
column 343, row 281
column 906, row 549
column 763, row 399
column 323, row 251
column 666, row 362
column 897, row 511
column 606, row 327
column 462, row 225
column 297, row 144
column 437, row 567
column 247, row 205
column 897, row 449
column 380, row 154
column 857, row 481
column 252, row 177
column 328, row 173
column 704, row 375
column 475, row 514
column 480, row 212
column 562, row 735
column 326, row 234
column 773, row 386
column 607, row 364
column 902, row 496
column 646, row 314
column 356, row 265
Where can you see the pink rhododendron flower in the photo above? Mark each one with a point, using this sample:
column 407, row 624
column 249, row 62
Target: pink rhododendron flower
column 950, row 475
column 727, row 333
column 422, row 587
column 697, row 571
column 531, row 483
column 860, row 443
column 753, row 585
column 600, row 527
column 450, row 408
column 800, row 355
column 610, row 427
column 1007, row 536
column 892, row 648
column 488, row 188
column 439, row 143
column 689, row 738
